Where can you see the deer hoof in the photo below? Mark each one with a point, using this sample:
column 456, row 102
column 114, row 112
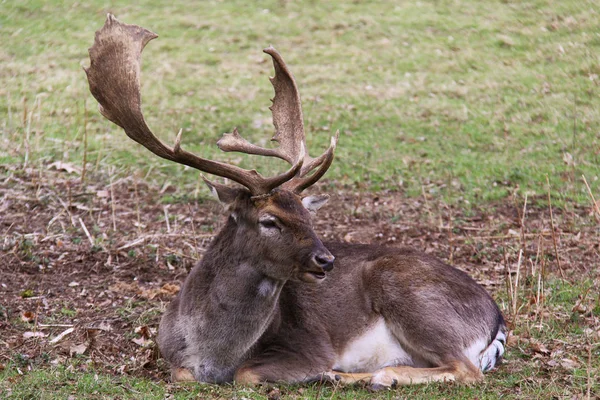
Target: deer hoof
column 247, row 377
column 326, row 377
column 382, row 380
column 182, row 375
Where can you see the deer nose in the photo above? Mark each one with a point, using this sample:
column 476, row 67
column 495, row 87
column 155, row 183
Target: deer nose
column 325, row 261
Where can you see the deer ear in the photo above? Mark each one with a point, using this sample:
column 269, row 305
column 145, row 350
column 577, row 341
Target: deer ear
column 225, row 194
column 313, row 203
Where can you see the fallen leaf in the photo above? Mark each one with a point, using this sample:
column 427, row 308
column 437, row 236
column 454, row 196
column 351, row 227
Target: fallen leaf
column 505, row 41
column 58, row 360
column 169, row 288
column 28, row 335
column 103, row 326
column 568, row 363
column 513, row 340
column 539, row 348
column 144, row 331
column 568, row 159
column 77, row 349
column 67, row 167
column 27, row 316
column 142, row 342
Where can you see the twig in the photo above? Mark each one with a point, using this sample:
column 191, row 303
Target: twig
column 523, row 222
column 527, row 235
column 27, row 125
column 38, row 107
column 194, row 231
column 137, row 205
column 131, row 244
column 336, row 385
column 55, row 325
column 60, row 336
column 594, row 203
column 167, row 219
column 85, row 141
column 429, row 213
column 515, row 298
column 540, row 282
column 509, row 284
column 87, row 233
column 66, row 207
column 9, row 106
column 562, row 274
column 589, row 372
column 112, row 201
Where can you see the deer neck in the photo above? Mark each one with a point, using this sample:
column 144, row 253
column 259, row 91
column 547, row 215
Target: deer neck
column 235, row 278
column 233, row 302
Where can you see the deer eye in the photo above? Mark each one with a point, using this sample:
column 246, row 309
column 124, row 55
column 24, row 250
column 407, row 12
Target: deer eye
column 269, row 223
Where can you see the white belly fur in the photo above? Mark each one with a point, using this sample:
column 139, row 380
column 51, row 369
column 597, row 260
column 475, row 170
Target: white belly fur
column 374, row 349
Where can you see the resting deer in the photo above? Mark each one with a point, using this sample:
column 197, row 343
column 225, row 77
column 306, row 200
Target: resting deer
column 268, row 302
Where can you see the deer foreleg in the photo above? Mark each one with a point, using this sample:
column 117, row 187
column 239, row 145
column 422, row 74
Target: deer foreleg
column 283, row 366
column 460, row 371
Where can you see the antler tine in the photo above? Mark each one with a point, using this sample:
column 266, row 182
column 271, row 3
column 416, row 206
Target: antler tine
column 287, row 118
column 302, row 181
column 289, row 129
column 114, row 79
column 289, row 125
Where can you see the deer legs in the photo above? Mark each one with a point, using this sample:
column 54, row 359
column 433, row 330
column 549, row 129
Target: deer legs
column 248, row 375
column 291, row 368
column 284, row 364
column 461, row 371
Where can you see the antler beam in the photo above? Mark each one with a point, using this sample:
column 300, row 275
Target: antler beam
column 114, row 80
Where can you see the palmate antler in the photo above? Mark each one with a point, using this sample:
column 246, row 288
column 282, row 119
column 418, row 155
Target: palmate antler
column 114, row 79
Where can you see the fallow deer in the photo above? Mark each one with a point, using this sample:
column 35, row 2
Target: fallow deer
column 268, row 302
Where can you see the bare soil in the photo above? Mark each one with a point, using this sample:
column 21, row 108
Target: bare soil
column 105, row 289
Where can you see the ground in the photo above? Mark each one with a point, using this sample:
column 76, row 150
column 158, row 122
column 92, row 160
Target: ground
column 97, row 261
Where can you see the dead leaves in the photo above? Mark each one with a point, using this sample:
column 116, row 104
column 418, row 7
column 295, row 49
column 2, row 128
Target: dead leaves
column 145, row 336
column 165, row 292
column 28, row 316
column 77, row 349
column 551, row 354
column 66, row 167
column 566, row 363
column 37, row 334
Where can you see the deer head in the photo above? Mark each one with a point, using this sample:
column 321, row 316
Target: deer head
column 269, row 208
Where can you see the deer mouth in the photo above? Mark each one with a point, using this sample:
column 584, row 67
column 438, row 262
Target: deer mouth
column 312, row 276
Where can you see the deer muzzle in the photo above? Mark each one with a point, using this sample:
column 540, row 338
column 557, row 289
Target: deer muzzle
column 321, row 261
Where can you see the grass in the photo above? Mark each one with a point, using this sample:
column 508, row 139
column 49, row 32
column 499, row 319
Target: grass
column 470, row 102
column 553, row 353
column 467, row 100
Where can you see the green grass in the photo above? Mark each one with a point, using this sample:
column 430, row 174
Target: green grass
column 469, row 100
column 527, row 372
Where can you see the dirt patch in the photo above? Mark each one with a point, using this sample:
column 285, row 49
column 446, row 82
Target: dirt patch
column 87, row 269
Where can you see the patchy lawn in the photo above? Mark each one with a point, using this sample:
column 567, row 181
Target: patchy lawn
column 84, row 283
